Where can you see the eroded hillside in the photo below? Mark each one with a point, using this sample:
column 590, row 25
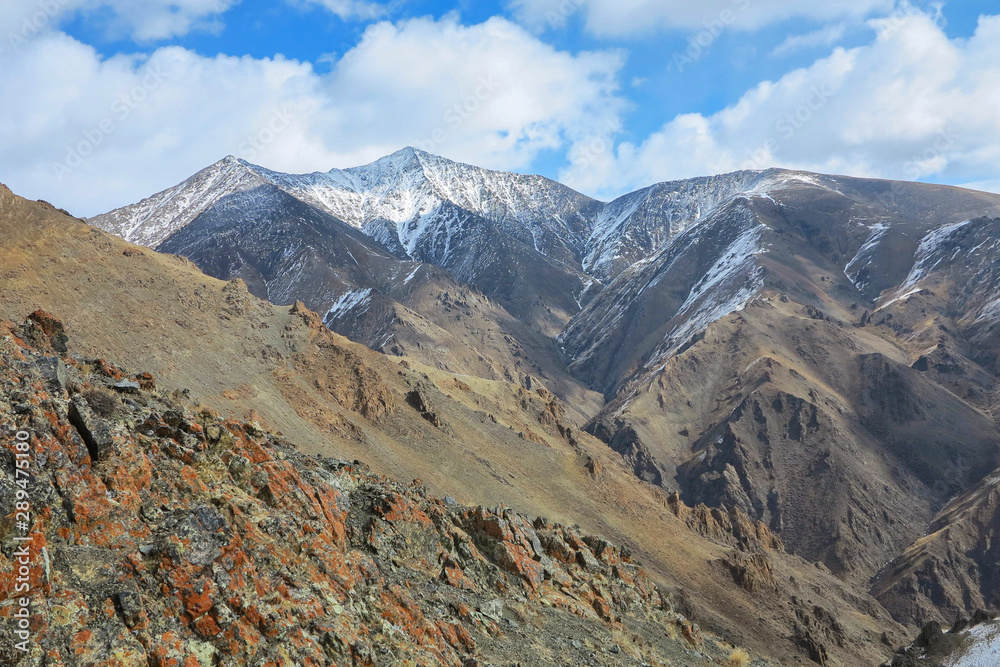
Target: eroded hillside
column 161, row 535
column 481, row 441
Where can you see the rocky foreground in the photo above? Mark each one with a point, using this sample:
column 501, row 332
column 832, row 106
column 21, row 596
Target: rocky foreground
column 159, row 534
column 971, row 642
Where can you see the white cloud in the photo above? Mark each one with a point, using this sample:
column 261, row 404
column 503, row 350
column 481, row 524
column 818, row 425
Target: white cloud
column 90, row 133
column 349, row 10
column 912, row 104
column 142, row 20
column 490, row 93
column 618, row 18
column 825, row 36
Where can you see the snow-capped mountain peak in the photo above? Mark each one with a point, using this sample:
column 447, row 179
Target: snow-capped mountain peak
column 150, row 221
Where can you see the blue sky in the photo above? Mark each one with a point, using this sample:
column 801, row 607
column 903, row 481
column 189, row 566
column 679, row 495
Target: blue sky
column 108, row 101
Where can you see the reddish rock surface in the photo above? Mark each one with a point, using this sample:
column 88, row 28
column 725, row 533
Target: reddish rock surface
column 163, row 536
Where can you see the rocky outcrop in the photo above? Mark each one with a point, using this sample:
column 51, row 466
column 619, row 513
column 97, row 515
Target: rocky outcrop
column 624, row 440
column 344, row 375
column 954, row 570
column 971, row 642
column 788, row 461
column 731, row 527
column 161, row 535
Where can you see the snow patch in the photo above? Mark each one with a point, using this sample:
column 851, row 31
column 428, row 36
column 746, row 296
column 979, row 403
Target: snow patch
column 726, row 288
column 346, row 303
column 982, row 649
column 929, row 254
column 412, row 275
column 864, row 254
column 901, row 297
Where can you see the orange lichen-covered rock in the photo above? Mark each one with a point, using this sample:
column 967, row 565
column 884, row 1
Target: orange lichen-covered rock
column 181, row 540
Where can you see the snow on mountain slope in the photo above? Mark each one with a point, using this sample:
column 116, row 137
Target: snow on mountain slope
column 955, row 268
column 154, row 219
column 982, row 649
column 407, row 188
column 544, row 252
column 284, row 249
column 403, row 189
column 518, row 239
column 933, row 251
column 726, row 288
column 639, row 224
column 652, row 308
column 407, row 202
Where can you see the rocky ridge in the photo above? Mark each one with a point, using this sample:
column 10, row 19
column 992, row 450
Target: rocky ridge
column 163, row 535
column 816, row 354
column 484, row 442
column 952, row 571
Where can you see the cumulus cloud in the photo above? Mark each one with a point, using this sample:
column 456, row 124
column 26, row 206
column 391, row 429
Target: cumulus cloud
column 490, row 93
column 912, row 104
column 90, row 133
column 142, row 20
column 618, row 18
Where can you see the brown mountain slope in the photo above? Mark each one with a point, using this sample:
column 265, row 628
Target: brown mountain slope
column 953, row 570
column 235, row 353
column 288, row 251
column 162, row 536
column 823, row 433
column 810, row 408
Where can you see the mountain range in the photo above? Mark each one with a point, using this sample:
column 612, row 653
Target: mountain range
column 778, row 388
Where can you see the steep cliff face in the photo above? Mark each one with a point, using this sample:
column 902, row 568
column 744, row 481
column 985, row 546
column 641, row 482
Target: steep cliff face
column 162, row 535
column 952, row 571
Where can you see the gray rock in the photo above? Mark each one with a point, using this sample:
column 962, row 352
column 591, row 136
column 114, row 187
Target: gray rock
column 492, row 609
column 259, row 478
column 96, row 432
column 223, row 615
column 239, row 467
column 53, row 372
column 129, row 605
column 127, row 387
column 586, row 560
column 201, row 533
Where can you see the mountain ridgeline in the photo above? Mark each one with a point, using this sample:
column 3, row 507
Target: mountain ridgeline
column 819, row 354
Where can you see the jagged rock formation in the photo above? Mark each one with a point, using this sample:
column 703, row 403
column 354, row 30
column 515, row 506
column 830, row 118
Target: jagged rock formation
column 954, row 570
column 162, row 535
